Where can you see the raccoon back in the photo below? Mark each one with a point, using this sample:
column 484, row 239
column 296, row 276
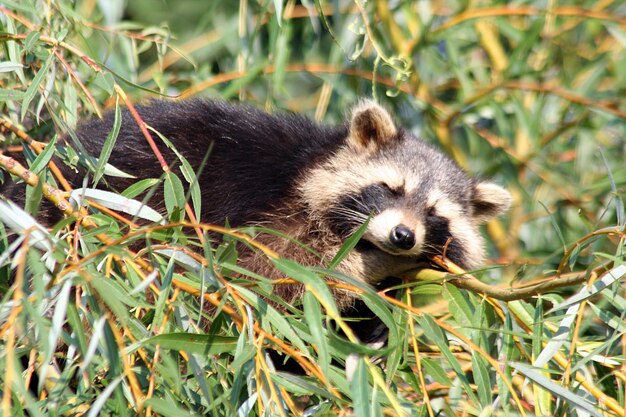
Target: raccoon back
column 254, row 158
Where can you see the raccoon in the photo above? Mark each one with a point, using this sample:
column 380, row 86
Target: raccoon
column 315, row 183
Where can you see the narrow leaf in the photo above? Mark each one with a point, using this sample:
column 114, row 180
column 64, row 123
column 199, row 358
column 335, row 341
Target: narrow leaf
column 173, row 194
column 201, row 344
column 8, row 66
column 140, row 187
column 43, row 158
column 312, row 282
column 560, row 337
column 34, row 85
column 10, row 95
column 348, row 245
column 361, row 390
column 313, row 317
column 556, row 389
column 117, row 202
column 19, row 221
column 586, row 292
column 109, row 143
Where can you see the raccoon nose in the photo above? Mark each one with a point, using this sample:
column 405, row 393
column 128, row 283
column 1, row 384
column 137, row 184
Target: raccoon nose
column 402, row 237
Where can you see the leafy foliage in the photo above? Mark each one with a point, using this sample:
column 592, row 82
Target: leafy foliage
column 531, row 93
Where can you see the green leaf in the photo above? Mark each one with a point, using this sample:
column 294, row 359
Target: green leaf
column 44, row 157
column 19, row 5
column 380, row 308
column 313, row 318
column 299, row 385
column 243, row 356
column 169, row 407
column 282, row 54
column 34, row 85
column 140, row 186
column 13, row 48
column 278, row 8
column 106, row 81
column 188, row 173
column 117, row 202
column 200, row 344
column 459, row 306
column 436, row 335
column 194, row 186
column 480, row 371
column 33, row 198
column 434, row 370
column 348, row 245
column 117, row 297
column 109, row 143
column 8, row 66
column 174, row 195
column 78, row 329
column 167, row 275
column 311, row 281
column 31, row 39
column 282, row 327
column 361, row 390
column 523, row 311
column 70, row 100
column 574, row 400
column 10, row 95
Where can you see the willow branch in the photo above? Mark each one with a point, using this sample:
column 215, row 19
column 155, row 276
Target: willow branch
column 51, row 193
column 507, row 11
column 463, row 280
column 37, row 147
column 608, row 106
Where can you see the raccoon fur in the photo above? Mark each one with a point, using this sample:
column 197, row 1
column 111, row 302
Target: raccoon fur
column 315, row 183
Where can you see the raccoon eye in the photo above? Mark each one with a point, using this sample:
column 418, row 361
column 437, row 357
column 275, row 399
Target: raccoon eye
column 395, row 191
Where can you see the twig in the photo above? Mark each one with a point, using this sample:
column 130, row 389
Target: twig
column 463, row 280
column 37, row 147
column 316, row 68
column 54, row 195
column 605, row 105
column 571, row 11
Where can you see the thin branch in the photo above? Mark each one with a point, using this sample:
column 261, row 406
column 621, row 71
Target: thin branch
column 605, row 105
column 37, row 147
column 570, row 11
column 52, row 194
column 317, row 68
column 462, row 279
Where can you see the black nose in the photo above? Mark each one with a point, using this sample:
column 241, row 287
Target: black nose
column 402, row 237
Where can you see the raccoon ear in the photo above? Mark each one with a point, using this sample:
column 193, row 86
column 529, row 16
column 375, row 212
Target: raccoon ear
column 489, row 200
column 371, row 124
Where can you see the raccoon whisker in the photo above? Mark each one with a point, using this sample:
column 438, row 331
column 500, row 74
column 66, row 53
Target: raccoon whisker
column 360, row 219
column 351, row 214
column 360, row 203
column 431, row 246
column 356, row 212
column 354, row 223
column 436, row 249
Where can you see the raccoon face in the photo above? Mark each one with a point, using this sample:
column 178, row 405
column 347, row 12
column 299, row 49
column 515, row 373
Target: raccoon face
column 418, row 202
